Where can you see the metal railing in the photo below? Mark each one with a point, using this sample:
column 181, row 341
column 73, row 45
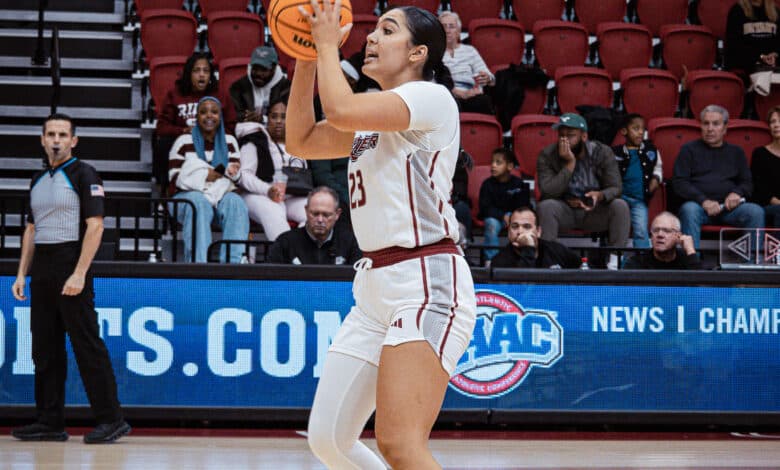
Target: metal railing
column 255, row 251
column 163, row 233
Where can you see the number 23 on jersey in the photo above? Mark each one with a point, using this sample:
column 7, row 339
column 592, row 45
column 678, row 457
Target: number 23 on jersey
column 357, row 192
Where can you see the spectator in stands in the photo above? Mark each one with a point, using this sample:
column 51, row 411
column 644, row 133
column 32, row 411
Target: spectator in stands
column 580, row 186
column 640, row 167
column 177, row 114
column 527, row 250
column 469, row 72
column 713, row 178
column 672, row 249
column 499, row 195
column 204, row 165
column 752, row 37
column 321, row 240
column 765, row 167
column 262, row 155
column 251, row 94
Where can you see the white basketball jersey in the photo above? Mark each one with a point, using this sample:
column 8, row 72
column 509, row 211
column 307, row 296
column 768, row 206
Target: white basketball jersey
column 400, row 182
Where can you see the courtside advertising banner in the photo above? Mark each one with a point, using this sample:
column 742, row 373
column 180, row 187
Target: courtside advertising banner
column 540, row 347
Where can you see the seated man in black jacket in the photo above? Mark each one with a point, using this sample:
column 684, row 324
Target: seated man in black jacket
column 665, row 236
column 320, row 241
column 527, row 250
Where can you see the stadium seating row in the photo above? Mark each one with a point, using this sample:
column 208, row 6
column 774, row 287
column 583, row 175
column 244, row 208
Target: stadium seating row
column 480, row 134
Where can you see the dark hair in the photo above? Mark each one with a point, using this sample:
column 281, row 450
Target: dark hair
column 184, row 83
column 526, row 209
column 509, row 157
column 426, row 30
column 278, row 95
column 629, row 118
column 60, row 117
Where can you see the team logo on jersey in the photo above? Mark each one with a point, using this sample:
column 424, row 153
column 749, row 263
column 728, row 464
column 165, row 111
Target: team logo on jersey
column 508, row 342
column 363, row 143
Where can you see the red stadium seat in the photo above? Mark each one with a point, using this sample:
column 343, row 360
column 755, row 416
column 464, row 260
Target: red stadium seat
column 207, row 7
column 656, row 13
column 764, row 103
column 650, row 92
column 748, row 134
column 592, row 12
column 477, row 175
column 231, row 70
column 168, row 33
column 530, row 134
column 623, row 46
column 362, row 26
column 534, row 101
column 430, row 5
column 713, row 14
column 469, row 10
column 688, row 45
column 715, row 87
column 668, row 135
column 582, row 85
column 480, row 134
column 499, row 42
column 559, row 43
column 529, row 12
column 142, row 6
column 363, row 7
column 234, row 34
column 163, row 73
column 657, row 203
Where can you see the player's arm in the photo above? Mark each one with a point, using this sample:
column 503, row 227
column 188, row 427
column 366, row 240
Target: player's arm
column 344, row 109
column 305, row 137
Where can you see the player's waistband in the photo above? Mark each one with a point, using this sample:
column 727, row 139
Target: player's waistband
column 396, row 254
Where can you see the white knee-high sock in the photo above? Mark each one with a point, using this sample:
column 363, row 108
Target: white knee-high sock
column 345, row 399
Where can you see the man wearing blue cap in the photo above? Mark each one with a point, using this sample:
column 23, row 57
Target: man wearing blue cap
column 250, row 94
column 579, row 182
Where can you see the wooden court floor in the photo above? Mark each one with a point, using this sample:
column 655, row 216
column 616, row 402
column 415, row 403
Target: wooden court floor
column 286, row 450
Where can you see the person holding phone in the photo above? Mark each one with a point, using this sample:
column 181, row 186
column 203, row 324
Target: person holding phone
column 671, row 249
column 580, row 186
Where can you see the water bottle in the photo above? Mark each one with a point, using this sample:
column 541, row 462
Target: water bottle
column 152, row 257
column 584, row 264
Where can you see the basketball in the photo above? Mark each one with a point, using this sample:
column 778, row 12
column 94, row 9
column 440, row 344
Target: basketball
column 291, row 32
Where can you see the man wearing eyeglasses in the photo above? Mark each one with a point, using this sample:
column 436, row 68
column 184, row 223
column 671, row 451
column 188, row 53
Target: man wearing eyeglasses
column 320, row 241
column 527, row 250
column 671, row 249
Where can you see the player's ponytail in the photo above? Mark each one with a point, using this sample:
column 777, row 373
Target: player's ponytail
column 442, row 75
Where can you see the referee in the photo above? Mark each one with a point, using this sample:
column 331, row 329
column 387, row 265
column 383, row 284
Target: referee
column 64, row 230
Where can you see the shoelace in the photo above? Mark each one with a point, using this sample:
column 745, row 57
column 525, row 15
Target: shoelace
column 363, row 264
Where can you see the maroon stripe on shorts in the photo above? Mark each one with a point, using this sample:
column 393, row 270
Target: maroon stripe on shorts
column 454, row 305
column 425, row 290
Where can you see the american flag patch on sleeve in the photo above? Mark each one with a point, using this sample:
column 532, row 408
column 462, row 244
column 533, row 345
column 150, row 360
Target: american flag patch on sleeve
column 96, row 190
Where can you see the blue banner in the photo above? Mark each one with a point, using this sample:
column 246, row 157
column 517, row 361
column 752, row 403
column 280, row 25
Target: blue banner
column 259, row 343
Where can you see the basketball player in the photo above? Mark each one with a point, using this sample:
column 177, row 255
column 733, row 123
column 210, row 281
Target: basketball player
column 415, row 304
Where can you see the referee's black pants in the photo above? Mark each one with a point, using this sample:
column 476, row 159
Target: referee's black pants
column 52, row 315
